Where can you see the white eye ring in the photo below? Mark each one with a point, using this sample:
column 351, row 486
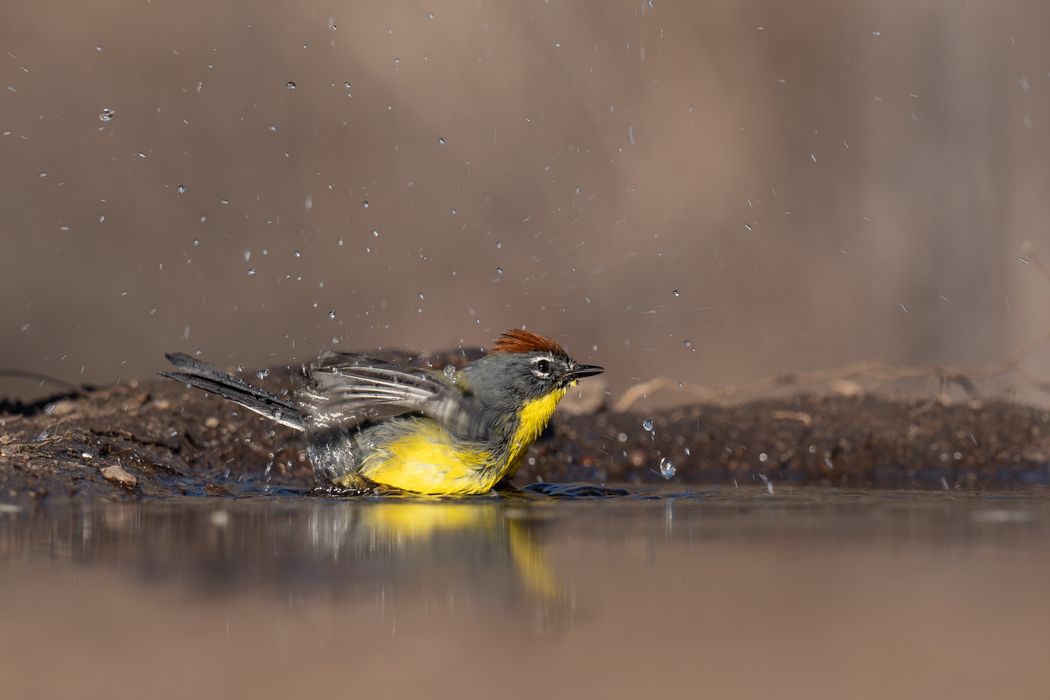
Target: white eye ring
column 541, row 367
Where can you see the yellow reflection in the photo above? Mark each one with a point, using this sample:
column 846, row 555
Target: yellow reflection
column 469, row 529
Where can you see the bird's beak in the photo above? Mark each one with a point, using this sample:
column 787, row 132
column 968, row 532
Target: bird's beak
column 580, row 371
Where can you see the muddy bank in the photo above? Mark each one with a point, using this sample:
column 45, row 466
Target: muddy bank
column 158, row 438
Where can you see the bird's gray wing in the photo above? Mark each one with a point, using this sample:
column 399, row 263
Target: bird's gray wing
column 349, row 389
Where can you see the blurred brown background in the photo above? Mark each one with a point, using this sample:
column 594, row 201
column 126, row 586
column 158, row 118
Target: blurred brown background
column 787, row 186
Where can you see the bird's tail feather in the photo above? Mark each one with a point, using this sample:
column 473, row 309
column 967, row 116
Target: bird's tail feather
column 213, row 380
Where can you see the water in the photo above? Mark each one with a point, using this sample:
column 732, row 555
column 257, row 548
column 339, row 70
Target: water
column 716, row 593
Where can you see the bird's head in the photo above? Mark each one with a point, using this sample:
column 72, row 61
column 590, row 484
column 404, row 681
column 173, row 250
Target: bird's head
column 524, row 367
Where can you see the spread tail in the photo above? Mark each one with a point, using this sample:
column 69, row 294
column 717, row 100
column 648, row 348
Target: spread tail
column 213, row 380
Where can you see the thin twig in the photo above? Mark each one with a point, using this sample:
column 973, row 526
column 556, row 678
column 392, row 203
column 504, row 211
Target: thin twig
column 45, row 378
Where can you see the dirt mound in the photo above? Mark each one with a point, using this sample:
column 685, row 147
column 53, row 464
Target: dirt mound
column 162, row 439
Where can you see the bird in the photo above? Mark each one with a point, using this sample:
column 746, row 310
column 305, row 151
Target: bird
column 373, row 423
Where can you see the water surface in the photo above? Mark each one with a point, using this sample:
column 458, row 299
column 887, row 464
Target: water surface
column 719, row 593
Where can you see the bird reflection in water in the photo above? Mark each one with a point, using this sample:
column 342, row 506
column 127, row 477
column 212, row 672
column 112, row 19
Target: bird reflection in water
column 484, row 553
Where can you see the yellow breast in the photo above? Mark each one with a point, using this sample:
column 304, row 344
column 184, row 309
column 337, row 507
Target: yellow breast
column 534, row 417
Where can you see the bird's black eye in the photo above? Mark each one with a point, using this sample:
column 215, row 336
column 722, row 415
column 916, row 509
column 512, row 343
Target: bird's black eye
column 543, row 366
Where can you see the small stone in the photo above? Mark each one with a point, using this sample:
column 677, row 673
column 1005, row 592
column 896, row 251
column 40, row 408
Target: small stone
column 162, row 405
column 586, row 399
column 211, row 422
column 118, row 475
column 844, row 387
column 62, row 408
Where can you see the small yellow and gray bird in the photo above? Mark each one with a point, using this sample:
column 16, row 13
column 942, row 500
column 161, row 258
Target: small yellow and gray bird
column 372, row 422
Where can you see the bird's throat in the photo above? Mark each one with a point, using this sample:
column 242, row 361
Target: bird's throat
column 532, row 419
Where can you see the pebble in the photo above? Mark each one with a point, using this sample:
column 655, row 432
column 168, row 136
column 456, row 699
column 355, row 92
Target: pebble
column 118, row 475
column 588, row 398
column 63, row 408
column 211, row 422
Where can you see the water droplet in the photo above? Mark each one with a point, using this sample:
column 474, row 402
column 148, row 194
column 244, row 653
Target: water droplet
column 196, row 243
column 339, row 242
column 224, row 202
column 141, row 155
column 689, row 345
column 262, row 374
column 676, row 293
column 153, row 311
column 274, row 127
column 290, row 85
column 647, row 425
column 181, row 189
column 421, row 296
column 297, row 254
column 375, row 233
column 499, row 270
column 347, row 85
column 454, row 211
column 247, row 254
column 251, row 271
column 43, row 173
column 667, row 468
column 441, row 140
column 450, row 372
column 430, row 15
column 106, row 116
column 331, row 314
column 499, row 244
column 364, row 204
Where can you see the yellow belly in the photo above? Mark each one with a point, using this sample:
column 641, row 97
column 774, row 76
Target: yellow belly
column 428, row 460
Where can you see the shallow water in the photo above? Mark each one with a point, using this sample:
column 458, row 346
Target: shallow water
column 724, row 593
